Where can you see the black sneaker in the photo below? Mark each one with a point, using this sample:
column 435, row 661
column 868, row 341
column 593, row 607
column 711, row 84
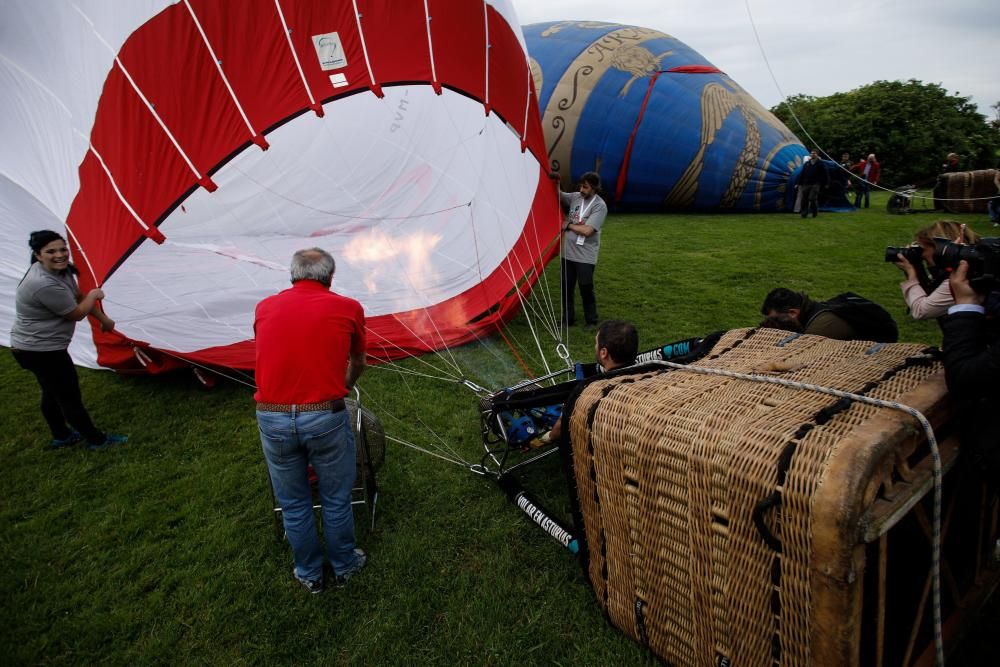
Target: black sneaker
column 314, row 586
column 361, row 559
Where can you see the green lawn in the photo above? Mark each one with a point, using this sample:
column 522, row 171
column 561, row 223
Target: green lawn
column 162, row 551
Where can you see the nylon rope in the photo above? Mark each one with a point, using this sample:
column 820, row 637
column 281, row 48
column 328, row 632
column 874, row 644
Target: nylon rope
column 86, row 260
column 455, row 457
column 486, row 41
column 785, row 99
column 454, row 364
column 548, row 307
column 935, row 460
column 462, row 145
column 218, row 67
column 345, row 215
column 295, row 56
column 511, row 274
column 364, row 45
column 118, row 192
column 527, row 104
column 441, row 446
column 482, row 286
column 464, row 464
column 142, row 97
column 430, row 44
column 522, row 270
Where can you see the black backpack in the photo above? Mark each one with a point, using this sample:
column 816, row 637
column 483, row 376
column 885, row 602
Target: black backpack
column 870, row 320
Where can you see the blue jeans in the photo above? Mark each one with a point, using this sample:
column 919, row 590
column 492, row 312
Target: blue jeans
column 291, row 441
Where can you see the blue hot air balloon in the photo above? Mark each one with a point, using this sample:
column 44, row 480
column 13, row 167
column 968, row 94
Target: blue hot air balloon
column 663, row 127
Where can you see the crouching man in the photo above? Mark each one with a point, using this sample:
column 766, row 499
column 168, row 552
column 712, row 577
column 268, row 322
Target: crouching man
column 310, row 351
column 615, row 346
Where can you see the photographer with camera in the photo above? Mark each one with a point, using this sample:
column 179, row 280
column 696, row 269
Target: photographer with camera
column 925, row 289
column 972, row 357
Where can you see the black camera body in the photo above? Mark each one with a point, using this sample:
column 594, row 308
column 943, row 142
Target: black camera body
column 914, row 254
column 983, row 259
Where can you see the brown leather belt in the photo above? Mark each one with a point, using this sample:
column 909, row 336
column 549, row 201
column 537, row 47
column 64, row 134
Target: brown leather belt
column 322, row 406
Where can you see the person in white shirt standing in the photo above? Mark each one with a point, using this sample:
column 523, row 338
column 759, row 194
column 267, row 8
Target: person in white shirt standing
column 585, row 214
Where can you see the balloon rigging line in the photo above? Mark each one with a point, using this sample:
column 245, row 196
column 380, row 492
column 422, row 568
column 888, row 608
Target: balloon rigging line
column 176, row 356
column 448, row 150
column 302, row 204
column 458, row 460
column 86, row 260
column 510, row 275
column 420, row 358
column 150, row 107
column 417, row 292
column 791, row 110
column 463, row 464
column 523, row 271
column 339, row 214
column 443, row 446
column 543, row 277
column 298, row 66
column 479, row 269
column 389, row 365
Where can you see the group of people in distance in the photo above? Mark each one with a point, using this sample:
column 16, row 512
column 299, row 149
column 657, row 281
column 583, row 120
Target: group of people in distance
column 310, row 352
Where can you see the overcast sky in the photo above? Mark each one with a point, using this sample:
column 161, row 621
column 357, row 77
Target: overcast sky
column 818, row 48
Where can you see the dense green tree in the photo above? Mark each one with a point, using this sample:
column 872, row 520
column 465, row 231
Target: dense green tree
column 910, row 125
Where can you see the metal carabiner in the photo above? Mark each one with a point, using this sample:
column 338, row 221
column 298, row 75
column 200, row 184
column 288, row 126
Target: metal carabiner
column 563, row 353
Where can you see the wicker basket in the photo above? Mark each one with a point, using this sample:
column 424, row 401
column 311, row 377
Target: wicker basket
column 727, row 520
column 968, row 191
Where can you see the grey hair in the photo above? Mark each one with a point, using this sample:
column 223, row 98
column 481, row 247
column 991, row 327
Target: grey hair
column 313, row 264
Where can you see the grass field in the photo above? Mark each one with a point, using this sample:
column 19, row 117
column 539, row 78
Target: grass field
column 162, row 551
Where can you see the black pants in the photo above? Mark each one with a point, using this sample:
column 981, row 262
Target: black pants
column 573, row 273
column 61, row 400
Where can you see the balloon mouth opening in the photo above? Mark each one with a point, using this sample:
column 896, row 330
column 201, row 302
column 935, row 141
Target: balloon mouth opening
column 417, row 195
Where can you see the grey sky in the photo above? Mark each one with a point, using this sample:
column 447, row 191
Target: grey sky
column 818, row 48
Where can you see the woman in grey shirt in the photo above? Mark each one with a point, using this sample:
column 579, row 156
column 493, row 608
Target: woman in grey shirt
column 48, row 306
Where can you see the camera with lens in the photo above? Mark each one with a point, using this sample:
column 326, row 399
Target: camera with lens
column 983, row 259
column 914, row 254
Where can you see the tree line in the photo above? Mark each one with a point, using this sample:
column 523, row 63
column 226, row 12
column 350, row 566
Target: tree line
column 911, row 126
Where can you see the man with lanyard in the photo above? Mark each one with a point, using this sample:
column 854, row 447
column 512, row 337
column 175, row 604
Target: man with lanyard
column 310, row 347
column 585, row 214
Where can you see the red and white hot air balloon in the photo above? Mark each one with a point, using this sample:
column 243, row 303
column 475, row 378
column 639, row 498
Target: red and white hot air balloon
column 189, row 148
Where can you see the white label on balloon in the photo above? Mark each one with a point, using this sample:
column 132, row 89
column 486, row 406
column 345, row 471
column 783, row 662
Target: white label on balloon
column 338, row 80
column 330, row 51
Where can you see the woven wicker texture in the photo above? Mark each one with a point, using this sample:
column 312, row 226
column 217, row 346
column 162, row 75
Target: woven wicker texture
column 976, row 187
column 670, row 465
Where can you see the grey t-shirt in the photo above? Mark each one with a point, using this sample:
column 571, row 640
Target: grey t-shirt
column 43, row 298
column 579, row 212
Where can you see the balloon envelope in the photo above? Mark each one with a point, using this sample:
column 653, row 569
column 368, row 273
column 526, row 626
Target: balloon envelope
column 188, row 149
column 662, row 126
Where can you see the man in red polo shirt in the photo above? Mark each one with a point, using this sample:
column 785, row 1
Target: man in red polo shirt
column 310, row 352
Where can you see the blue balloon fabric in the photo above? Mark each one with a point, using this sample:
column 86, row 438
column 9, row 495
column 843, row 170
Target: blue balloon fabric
column 664, row 128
